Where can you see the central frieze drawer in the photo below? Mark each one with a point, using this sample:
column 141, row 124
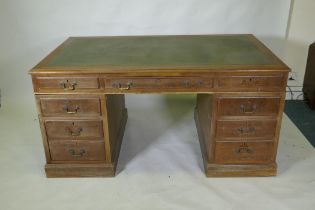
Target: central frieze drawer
column 74, row 129
column 151, row 84
column 77, row 150
column 252, row 129
column 67, row 83
column 248, row 106
column 70, row 106
column 243, row 152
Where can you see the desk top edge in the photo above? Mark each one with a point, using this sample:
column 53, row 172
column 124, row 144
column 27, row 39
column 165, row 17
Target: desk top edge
column 278, row 65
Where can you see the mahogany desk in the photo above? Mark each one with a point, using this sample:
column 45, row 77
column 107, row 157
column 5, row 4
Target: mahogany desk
column 240, row 87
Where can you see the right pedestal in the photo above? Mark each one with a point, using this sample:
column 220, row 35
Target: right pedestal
column 239, row 133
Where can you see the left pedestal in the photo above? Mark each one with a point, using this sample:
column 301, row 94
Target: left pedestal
column 82, row 133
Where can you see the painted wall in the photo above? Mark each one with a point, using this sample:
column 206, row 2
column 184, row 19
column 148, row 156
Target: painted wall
column 301, row 34
column 31, row 29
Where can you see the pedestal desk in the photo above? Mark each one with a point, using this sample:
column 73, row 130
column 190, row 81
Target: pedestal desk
column 240, row 86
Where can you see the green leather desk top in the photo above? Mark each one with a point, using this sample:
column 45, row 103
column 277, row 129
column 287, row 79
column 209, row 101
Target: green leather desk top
column 161, row 52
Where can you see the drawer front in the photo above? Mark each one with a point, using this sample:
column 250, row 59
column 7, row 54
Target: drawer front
column 76, row 129
column 249, row 129
column 77, row 150
column 67, row 83
column 252, row 82
column 243, row 152
column 70, row 107
column 158, row 84
column 248, row 106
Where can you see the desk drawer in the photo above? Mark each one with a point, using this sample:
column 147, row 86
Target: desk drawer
column 67, row 83
column 247, row 129
column 243, row 152
column 158, row 84
column 248, row 106
column 69, row 106
column 258, row 83
column 74, row 129
column 77, row 150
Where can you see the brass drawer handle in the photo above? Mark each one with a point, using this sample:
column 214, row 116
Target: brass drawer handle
column 69, row 111
column 248, row 81
column 70, row 86
column 244, row 149
column 127, row 87
column 246, row 130
column 76, row 132
column 63, row 85
column 73, row 153
column 250, row 110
